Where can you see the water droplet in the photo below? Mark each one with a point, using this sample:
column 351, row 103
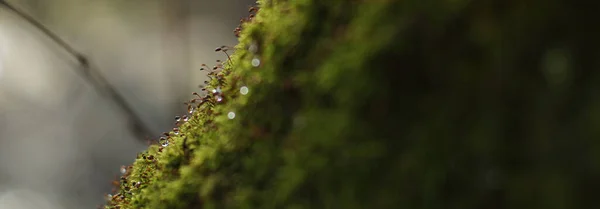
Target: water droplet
column 176, row 131
column 217, row 90
column 108, row 197
column 162, row 140
column 253, row 48
column 244, row 90
column 255, row 62
column 186, row 118
column 123, row 170
column 192, row 110
column 219, row 98
column 557, row 66
column 231, row 115
column 177, row 118
column 299, row 122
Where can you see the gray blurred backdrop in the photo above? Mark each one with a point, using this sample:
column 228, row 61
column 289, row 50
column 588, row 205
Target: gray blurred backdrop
column 61, row 143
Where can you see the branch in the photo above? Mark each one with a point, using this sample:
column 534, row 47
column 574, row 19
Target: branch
column 91, row 75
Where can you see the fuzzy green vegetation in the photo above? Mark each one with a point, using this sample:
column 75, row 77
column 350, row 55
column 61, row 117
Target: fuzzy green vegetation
column 389, row 104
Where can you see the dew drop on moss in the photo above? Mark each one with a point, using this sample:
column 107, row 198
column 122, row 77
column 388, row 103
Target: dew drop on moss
column 163, row 141
column 255, row 62
column 186, row 118
column 177, row 118
column 217, row 90
column 219, row 98
column 108, row 197
column 253, row 48
column 244, row 90
column 191, row 110
column 123, row 170
column 231, row 115
column 299, row 122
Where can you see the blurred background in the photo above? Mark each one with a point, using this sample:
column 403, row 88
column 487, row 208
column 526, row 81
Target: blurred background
column 61, row 141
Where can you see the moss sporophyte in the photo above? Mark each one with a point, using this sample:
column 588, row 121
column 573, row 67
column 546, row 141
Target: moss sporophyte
column 161, row 160
column 387, row 104
column 287, row 119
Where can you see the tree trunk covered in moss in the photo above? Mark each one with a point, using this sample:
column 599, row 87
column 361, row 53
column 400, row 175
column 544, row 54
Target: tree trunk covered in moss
column 394, row 104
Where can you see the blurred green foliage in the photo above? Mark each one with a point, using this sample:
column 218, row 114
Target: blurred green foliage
column 393, row 104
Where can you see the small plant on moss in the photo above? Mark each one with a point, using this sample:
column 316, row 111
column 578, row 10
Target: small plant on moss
column 389, row 104
column 165, row 154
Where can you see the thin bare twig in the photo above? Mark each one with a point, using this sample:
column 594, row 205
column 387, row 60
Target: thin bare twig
column 91, row 75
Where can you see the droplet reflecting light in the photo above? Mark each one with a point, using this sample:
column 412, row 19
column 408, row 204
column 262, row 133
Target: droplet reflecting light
column 253, row 48
column 163, row 140
column 255, row 62
column 231, row 115
column 108, row 197
column 244, row 90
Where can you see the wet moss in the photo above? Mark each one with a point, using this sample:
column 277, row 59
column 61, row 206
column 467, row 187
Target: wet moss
column 389, row 104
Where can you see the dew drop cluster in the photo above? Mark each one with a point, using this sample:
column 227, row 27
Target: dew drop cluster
column 213, row 92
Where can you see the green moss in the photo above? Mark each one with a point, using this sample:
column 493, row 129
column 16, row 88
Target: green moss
column 390, row 104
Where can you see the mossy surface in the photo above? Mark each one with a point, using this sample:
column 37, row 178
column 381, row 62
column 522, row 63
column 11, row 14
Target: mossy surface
column 390, row 104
